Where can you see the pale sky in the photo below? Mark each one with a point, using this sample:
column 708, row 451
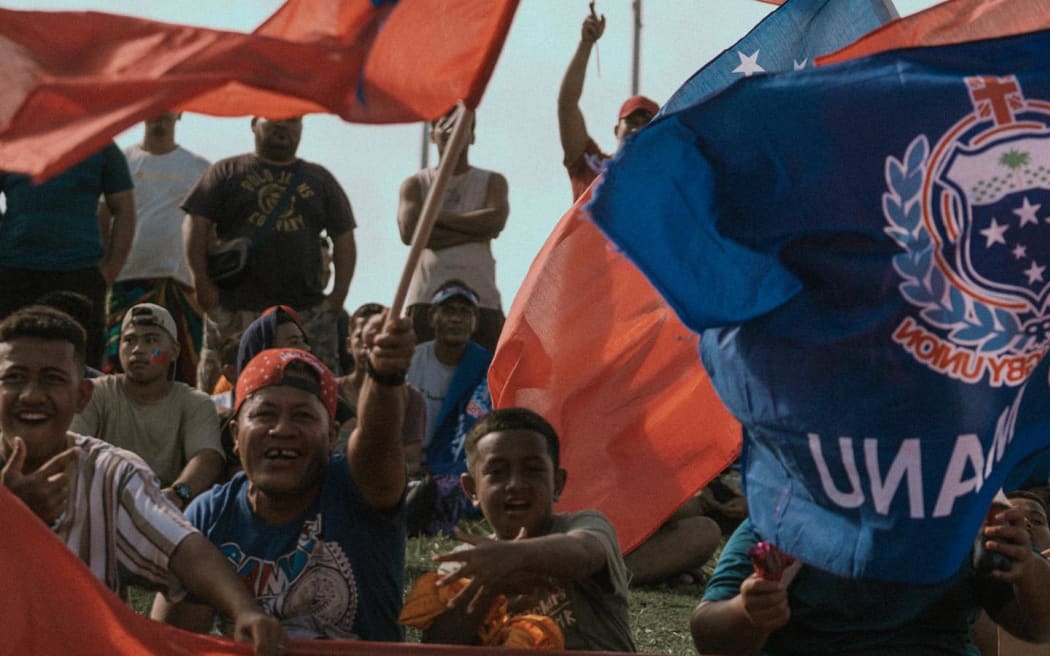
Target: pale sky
column 517, row 132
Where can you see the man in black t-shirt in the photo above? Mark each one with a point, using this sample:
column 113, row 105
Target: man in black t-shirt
column 283, row 204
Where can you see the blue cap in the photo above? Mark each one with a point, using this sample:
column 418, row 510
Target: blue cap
column 451, row 290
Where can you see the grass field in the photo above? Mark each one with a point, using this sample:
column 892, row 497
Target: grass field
column 659, row 614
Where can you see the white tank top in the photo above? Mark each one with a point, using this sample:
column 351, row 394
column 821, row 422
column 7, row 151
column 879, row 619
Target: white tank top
column 471, row 262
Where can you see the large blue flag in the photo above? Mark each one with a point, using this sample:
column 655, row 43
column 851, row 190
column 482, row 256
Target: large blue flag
column 789, row 38
column 866, row 249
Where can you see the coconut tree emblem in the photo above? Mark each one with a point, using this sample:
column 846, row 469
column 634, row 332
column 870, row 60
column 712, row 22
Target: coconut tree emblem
column 1014, row 159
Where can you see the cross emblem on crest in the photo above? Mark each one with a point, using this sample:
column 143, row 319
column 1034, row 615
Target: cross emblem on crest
column 995, row 97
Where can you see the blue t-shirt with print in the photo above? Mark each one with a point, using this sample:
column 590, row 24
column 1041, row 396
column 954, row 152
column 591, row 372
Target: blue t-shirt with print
column 336, row 572
column 53, row 226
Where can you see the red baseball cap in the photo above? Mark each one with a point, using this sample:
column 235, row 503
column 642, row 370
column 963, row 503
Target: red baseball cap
column 638, row 103
column 267, row 369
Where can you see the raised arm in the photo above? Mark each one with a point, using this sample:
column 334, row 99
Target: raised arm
column 118, row 234
column 196, row 232
column 374, row 451
column 571, row 126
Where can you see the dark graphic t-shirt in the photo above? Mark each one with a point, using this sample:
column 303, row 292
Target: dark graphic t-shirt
column 239, row 194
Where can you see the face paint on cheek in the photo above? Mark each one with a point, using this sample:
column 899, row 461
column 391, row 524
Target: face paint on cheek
column 158, row 357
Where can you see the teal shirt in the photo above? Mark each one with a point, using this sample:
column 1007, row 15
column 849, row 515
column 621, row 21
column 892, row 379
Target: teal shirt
column 53, row 226
column 835, row 615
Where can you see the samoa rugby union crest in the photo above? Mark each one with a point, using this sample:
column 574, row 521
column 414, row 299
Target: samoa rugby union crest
column 972, row 213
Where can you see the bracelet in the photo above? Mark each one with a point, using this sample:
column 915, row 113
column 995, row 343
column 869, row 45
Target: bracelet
column 389, row 380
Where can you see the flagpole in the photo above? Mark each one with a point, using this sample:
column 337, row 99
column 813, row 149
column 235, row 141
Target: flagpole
column 432, row 204
column 424, row 150
column 635, row 58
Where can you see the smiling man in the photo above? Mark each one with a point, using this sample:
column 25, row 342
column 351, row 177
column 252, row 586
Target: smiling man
column 282, row 204
column 101, row 501
column 319, row 539
column 170, row 425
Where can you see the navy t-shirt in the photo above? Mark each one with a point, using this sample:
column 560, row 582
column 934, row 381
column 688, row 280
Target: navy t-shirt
column 53, row 226
column 336, row 572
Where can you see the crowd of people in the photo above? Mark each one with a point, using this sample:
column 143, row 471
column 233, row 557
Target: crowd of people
column 186, row 403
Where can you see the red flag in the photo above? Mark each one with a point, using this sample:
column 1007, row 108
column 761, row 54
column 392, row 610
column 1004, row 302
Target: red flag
column 592, row 347
column 73, row 80
column 954, row 21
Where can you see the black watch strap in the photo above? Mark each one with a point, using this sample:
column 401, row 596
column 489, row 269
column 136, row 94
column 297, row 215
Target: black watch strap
column 390, row 380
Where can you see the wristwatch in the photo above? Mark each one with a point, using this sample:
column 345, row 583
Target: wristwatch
column 387, row 380
column 183, row 492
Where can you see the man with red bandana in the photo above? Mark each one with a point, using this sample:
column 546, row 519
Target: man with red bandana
column 319, row 539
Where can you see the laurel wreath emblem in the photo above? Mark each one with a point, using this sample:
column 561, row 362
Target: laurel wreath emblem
column 970, row 322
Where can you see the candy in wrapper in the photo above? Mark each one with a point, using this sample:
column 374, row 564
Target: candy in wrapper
column 769, row 561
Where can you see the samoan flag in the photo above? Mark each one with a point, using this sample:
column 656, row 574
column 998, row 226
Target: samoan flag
column 866, row 248
column 591, row 346
column 802, row 30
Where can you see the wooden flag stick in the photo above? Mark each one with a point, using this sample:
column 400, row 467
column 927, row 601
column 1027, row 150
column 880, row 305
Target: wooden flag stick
column 432, row 204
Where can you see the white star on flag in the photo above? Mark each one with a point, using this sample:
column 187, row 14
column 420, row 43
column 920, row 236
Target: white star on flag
column 748, row 64
column 799, row 65
column 1020, row 251
column 1034, row 273
column 993, row 234
column 1027, row 213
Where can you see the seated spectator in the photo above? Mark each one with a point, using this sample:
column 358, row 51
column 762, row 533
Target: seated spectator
column 451, row 371
column 318, row 538
column 100, row 500
column 1035, row 517
column 819, row 613
column 77, row 306
column 681, row 546
column 350, row 388
column 566, row 566
column 678, row 549
column 278, row 326
column 170, row 425
column 988, row 637
column 228, row 369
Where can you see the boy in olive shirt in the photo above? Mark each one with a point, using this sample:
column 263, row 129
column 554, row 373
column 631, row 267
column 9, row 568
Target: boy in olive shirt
column 566, row 566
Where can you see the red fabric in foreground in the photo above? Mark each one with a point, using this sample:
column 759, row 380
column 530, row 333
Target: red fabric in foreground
column 954, row 21
column 51, row 604
column 591, row 346
column 73, row 80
